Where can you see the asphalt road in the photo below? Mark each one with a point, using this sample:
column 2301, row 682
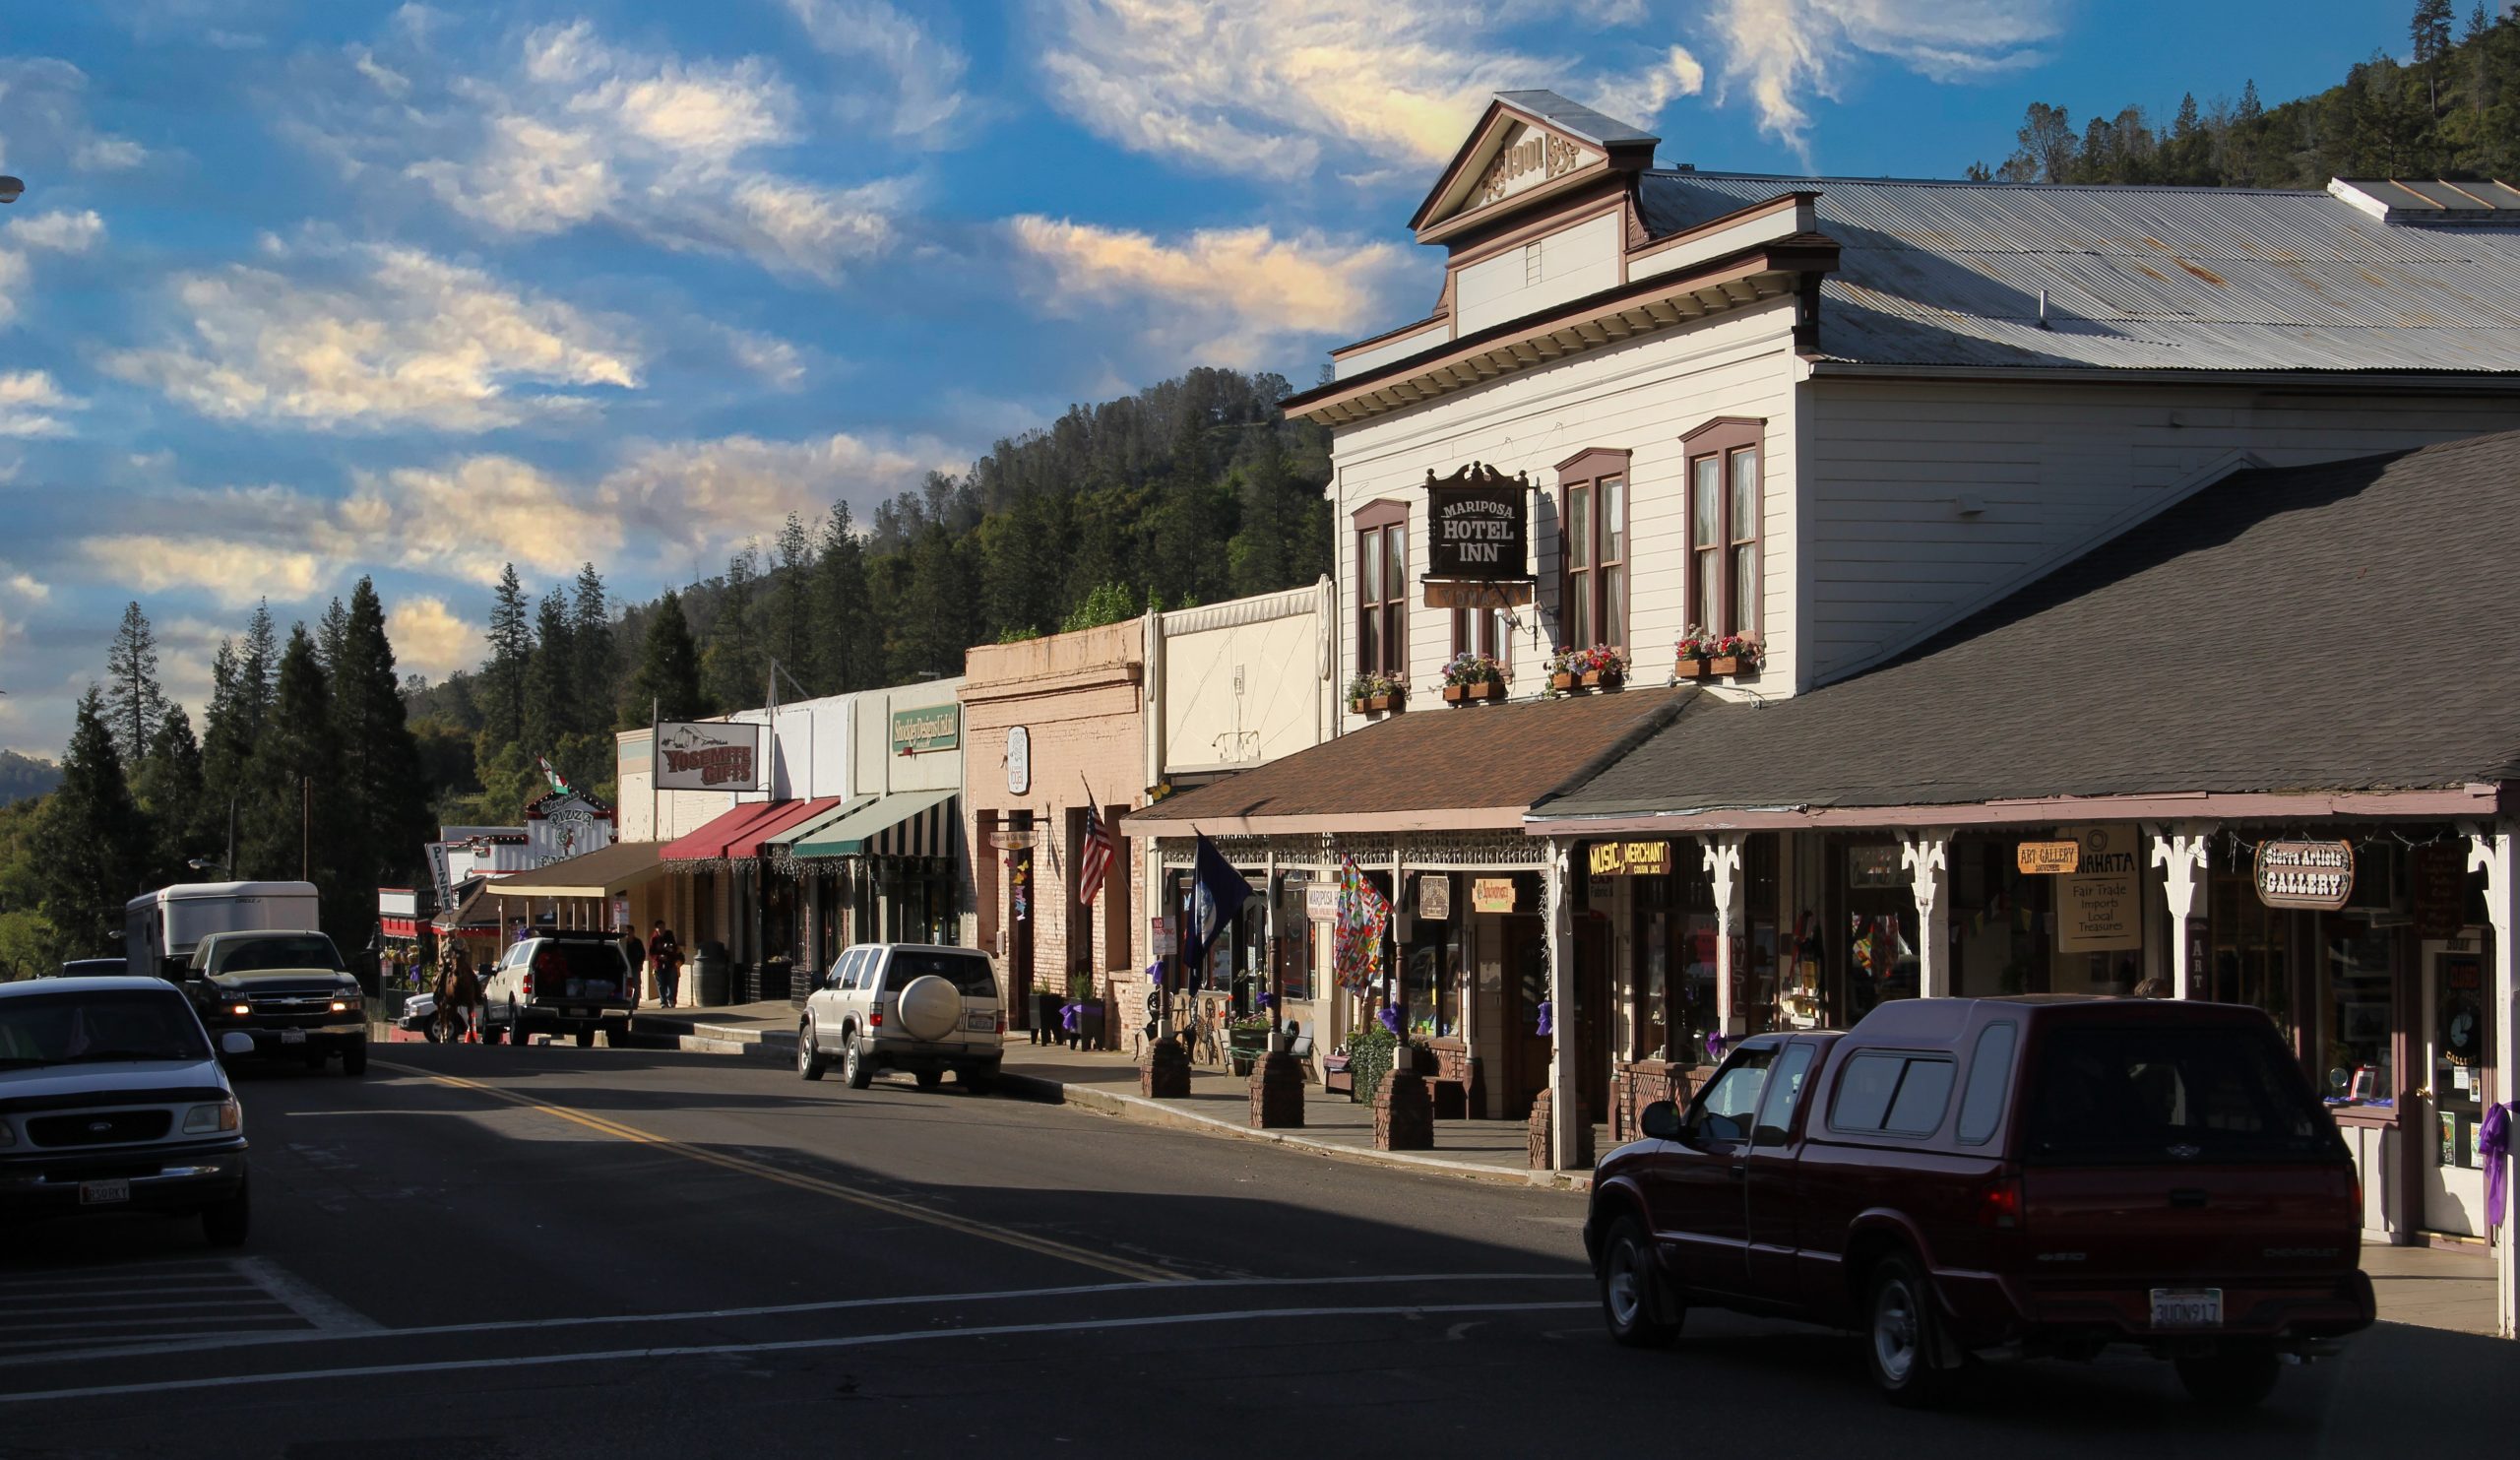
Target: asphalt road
column 486, row 1253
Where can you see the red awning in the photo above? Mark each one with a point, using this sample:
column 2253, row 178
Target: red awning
column 401, row 928
column 738, row 834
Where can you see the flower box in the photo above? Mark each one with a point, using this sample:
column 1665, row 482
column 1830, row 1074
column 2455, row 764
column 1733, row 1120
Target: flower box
column 1381, row 704
column 1462, row 694
column 1562, row 683
column 1690, row 669
column 1736, row 664
column 1603, row 679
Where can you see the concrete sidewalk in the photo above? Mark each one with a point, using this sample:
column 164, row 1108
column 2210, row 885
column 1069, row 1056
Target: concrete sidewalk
column 2432, row 1286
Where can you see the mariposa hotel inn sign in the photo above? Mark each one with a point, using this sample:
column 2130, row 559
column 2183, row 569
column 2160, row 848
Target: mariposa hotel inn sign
column 1478, row 525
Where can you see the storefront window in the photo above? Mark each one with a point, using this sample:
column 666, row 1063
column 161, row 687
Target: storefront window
column 2250, row 962
column 2357, row 997
column 1295, row 938
column 1430, row 970
column 1879, row 932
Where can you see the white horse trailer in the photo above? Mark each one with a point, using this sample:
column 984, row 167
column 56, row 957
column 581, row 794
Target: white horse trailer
column 161, row 927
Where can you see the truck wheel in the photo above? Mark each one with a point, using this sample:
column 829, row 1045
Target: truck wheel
column 585, row 1038
column 516, row 1030
column 354, row 1058
column 1899, row 1333
column 226, row 1224
column 1636, row 1302
column 928, row 1079
column 854, row 1070
column 2237, row 1376
column 809, row 1061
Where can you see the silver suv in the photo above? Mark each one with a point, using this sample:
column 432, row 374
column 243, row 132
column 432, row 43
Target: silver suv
column 906, row 1006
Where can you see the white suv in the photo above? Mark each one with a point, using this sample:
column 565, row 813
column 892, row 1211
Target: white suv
column 906, row 1006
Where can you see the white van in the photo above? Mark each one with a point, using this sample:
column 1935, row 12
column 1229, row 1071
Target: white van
column 162, row 929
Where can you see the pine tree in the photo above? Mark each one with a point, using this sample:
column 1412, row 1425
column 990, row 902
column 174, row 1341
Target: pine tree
column 2429, row 29
column 668, row 673
column 91, row 846
column 731, row 668
column 382, row 807
column 288, row 817
column 791, row 630
column 845, row 634
column 134, row 704
column 511, row 640
column 550, row 697
column 169, row 790
column 330, row 632
column 595, row 669
column 258, row 675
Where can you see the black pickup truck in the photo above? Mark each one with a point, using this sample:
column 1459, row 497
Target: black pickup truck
column 289, row 990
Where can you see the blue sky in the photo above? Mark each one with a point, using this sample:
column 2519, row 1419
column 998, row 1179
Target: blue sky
column 305, row 291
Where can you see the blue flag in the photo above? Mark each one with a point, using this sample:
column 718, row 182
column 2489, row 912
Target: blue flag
column 1216, row 893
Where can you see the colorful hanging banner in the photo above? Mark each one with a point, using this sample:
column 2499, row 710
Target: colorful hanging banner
column 1356, row 938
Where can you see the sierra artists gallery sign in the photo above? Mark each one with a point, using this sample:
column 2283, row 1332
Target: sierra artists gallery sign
column 708, row 755
column 1478, row 525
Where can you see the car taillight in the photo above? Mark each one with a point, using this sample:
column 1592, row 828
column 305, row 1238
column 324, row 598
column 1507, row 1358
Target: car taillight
column 2000, row 1205
column 875, row 1019
column 529, row 985
column 1001, row 1021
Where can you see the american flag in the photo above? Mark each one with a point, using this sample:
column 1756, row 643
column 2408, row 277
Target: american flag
column 1094, row 858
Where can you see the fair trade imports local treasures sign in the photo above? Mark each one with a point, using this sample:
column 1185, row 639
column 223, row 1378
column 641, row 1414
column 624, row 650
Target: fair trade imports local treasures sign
column 2100, row 903
column 1478, row 525
column 2305, row 874
column 708, row 755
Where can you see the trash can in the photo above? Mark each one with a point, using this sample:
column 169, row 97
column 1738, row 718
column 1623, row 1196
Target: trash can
column 710, row 971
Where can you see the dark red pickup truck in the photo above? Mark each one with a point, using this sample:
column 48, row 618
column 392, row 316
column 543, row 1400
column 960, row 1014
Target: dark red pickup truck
column 1959, row 1178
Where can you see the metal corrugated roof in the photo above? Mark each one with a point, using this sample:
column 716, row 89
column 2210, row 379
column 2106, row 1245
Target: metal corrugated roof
column 2196, row 279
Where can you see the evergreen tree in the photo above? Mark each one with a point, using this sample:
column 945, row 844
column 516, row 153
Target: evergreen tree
column 550, row 696
column 134, row 704
column 289, row 810
column 331, row 631
column 594, row 667
column 91, row 848
column 789, row 632
column 845, row 636
column 511, row 640
column 169, row 790
column 383, row 809
column 731, row 668
column 668, row 673
column 2429, row 28
column 258, row 673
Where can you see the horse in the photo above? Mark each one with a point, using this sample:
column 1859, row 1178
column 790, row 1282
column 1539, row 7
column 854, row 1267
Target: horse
column 457, row 984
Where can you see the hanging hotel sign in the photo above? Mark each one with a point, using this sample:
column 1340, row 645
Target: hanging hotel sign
column 1492, row 895
column 930, row 728
column 708, row 755
column 1436, row 896
column 1478, row 525
column 2100, row 903
column 1631, row 858
column 2048, row 859
column 2305, row 874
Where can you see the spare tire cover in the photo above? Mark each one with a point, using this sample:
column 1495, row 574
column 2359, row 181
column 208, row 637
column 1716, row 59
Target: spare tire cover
column 931, row 1008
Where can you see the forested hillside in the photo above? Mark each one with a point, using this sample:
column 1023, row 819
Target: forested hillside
column 2453, row 110
column 1187, row 492
column 23, row 776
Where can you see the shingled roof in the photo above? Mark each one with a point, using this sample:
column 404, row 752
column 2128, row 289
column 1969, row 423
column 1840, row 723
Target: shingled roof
column 1436, row 768
column 2344, row 628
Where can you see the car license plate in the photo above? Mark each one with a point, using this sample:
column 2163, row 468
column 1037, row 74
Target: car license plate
column 101, row 1193
column 2187, row 1307
column 292, row 1037
column 983, row 1022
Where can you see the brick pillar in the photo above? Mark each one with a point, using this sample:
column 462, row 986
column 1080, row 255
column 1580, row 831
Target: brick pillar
column 1404, row 1111
column 1166, row 1075
column 1276, row 1091
column 1580, row 1130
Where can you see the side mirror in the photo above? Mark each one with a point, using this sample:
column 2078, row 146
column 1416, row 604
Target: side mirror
column 235, row 1041
column 1661, row 1120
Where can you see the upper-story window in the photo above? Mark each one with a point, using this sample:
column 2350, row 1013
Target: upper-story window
column 1726, row 458
column 1592, row 491
column 1487, row 631
column 1382, row 589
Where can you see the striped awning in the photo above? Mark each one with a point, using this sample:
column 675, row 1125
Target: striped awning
column 904, row 824
column 743, row 833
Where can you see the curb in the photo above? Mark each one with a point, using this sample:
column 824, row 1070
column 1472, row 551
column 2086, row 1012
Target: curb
column 1145, row 1111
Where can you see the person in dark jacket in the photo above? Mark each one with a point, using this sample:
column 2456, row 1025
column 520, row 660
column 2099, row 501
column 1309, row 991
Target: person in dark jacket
column 636, row 952
column 667, row 950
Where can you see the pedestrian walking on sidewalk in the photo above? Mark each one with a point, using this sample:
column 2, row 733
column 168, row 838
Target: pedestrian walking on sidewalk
column 636, row 952
column 667, row 950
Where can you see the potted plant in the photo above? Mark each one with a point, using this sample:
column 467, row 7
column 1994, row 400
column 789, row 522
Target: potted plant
column 1246, row 1040
column 1560, row 667
column 1733, row 654
column 1471, row 677
column 1373, row 694
column 1690, row 655
column 1602, row 666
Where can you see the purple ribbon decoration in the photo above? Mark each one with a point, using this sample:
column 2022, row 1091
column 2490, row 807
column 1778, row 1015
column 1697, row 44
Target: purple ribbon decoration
column 1390, row 1017
column 2493, row 1145
column 1548, row 1018
column 1068, row 1019
column 1714, row 1042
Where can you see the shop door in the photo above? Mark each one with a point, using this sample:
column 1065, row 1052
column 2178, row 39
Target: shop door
column 1527, row 988
column 1591, row 1016
column 1021, row 907
column 2459, row 1056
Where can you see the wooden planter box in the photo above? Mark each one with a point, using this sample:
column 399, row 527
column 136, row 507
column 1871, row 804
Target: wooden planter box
column 1690, row 669
column 1604, row 679
column 1462, row 694
column 1737, row 665
column 1563, row 683
column 1379, row 704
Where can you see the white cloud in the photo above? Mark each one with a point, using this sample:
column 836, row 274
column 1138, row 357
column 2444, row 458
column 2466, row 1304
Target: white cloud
column 699, row 495
column 43, row 121
column 25, row 586
column 29, row 400
column 1786, row 51
column 428, row 637
column 1231, row 296
column 774, row 360
column 45, row 232
column 467, row 518
column 926, row 72
column 405, row 339
column 235, row 572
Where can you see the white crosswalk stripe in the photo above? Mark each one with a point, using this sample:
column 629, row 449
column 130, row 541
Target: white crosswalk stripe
column 104, row 1308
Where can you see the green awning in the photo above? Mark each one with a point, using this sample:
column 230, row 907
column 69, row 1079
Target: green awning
column 908, row 823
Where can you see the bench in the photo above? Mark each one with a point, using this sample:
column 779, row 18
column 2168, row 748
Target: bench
column 1336, row 1077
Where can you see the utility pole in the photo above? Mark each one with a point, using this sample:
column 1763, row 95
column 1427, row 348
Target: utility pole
column 306, row 828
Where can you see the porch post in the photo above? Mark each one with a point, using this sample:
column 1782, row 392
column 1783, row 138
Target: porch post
column 1928, row 857
column 1721, row 858
column 2491, row 852
column 2181, row 853
column 1565, row 1137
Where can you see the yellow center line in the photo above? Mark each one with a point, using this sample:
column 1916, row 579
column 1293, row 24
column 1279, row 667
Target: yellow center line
column 1104, row 1262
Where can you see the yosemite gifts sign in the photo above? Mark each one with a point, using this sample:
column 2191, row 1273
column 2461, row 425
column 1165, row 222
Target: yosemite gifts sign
column 708, row 755
column 1478, row 525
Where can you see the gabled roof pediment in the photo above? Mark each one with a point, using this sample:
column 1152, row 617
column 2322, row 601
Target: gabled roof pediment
column 1527, row 145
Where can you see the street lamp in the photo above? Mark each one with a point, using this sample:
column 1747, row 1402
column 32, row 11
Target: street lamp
column 10, row 188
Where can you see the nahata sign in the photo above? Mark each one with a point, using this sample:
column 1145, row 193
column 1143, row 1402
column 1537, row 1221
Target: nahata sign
column 929, row 728
column 708, row 755
column 1478, row 525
